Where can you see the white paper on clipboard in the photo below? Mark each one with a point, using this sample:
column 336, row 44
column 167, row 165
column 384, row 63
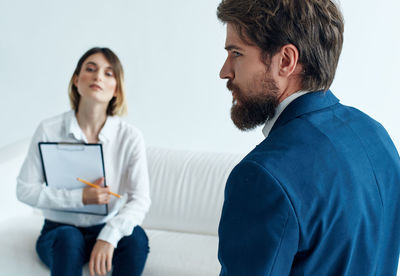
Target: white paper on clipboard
column 63, row 163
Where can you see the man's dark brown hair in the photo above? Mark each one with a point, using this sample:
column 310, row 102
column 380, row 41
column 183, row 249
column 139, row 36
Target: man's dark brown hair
column 315, row 27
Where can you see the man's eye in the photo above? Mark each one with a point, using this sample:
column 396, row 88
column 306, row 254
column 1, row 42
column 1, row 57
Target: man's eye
column 236, row 54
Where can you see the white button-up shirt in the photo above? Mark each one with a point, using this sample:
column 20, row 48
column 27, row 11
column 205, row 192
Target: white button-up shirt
column 126, row 173
column 279, row 109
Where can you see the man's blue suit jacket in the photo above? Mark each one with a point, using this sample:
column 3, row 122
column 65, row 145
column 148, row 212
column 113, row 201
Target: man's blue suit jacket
column 319, row 196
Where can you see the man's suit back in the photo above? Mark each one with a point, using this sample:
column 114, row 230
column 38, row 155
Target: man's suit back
column 333, row 176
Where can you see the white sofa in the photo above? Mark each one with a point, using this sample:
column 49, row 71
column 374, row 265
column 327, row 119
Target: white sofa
column 187, row 195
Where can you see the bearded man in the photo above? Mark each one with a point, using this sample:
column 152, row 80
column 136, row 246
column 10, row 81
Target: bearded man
column 320, row 195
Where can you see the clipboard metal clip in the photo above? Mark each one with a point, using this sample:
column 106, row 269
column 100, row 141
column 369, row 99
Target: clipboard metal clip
column 70, row 146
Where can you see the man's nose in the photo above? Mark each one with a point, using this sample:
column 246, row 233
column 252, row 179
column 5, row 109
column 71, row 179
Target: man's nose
column 226, row 71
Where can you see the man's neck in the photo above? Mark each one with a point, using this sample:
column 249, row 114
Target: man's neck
column 291, row 89
column 282, row 105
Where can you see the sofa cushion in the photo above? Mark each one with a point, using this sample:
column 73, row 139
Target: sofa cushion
column 171, row 253
column 187, row 189
column 17, row 254
column 181, row 254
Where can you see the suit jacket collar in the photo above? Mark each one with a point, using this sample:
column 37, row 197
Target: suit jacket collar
column 305, row 104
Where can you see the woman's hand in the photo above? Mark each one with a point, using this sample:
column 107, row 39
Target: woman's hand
column 96, row 195
column 101, row 258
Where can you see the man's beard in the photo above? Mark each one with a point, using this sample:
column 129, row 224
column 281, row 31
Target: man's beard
column 251, row 111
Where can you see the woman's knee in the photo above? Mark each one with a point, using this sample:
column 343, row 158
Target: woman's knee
column 60, row 242
column 67, row 238
column 136, row 241
column 140, row 238
column 131, row 253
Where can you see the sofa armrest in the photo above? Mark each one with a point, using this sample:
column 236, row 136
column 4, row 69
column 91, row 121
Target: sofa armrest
column 11, row 159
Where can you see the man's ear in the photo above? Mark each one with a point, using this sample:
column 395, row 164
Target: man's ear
column 289, row 57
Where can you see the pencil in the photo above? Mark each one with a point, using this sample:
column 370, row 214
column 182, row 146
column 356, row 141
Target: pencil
column 96, row 186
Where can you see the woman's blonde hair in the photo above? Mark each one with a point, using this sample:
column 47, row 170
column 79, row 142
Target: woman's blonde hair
column 117, row 105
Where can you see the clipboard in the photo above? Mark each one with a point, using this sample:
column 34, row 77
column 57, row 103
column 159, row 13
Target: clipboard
column 62, row 163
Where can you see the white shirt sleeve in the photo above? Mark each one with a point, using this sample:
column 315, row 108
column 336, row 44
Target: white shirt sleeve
column 31, row 188
column 136, row 184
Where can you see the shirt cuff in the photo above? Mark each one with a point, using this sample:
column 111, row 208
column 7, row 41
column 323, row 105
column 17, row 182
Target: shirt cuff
column 76, row 200
column 110, row 235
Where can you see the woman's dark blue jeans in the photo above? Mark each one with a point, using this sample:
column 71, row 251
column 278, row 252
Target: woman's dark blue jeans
column 66, row 248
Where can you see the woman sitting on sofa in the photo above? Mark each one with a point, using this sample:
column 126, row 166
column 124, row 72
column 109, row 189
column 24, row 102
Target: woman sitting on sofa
column 69, row 240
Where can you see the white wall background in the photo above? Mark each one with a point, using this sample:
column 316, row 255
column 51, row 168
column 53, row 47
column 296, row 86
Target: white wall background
column 172, row 52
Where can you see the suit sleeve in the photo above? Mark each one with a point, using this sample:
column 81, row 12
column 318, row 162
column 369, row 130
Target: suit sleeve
column 258, row 230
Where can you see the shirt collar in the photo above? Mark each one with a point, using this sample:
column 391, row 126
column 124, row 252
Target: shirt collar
column 106, row 133
column 279, row 109
column 109, row 129
column 72, row 128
